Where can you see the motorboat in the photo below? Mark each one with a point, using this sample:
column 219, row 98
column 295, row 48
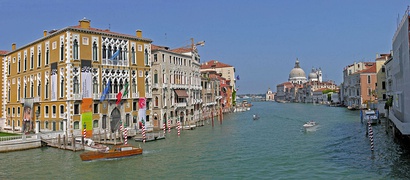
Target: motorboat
column 189, row 127
column 309, row 124
column 90, row 145
column 369, row 116
column 255, row 117
column 115, row 152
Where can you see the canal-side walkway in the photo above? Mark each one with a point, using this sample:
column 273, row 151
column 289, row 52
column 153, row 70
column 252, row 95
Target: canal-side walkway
column 19, row 142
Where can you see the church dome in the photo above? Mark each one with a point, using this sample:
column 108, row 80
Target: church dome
column 297, row 71
column 312, row 75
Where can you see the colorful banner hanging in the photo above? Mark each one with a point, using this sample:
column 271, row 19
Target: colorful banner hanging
column 142, row 110
column 86, row 79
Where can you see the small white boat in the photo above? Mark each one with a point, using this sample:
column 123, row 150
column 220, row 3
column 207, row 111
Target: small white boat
column 309, row 124
column 369, row 116
column 255, row 117
column 189, row 127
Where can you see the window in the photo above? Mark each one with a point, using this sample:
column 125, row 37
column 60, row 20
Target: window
column 31, row 89
column 155, row 77
column 62, row 51
column 32, row 61
column 104, row 122
column 9, row 95
column 383, row 84
column 46, row 90
column 46, row 111
column 25, row 62
column 134, row 106
column 133, row 55
column 95, row 124
column 39, row 58
column 95, row 85
column 62, row 111
column 156, row 101
column 75, row 49
column 383, row 69
column 54, row 111
column 104, row 51
column 18, row 92
column 47, row 56
column 76, row 85
column 62, row 85
column 85, row 40
column 95, row 108
column 76, row 125
column 95, row 51
column 38, row 88
column 155, row 58
column 9, row 68
column 19, row 64
column 369, row 91
column 127, row 120
column 368, row 79
column 76, row 108
column 109, row 53
column 46, row 124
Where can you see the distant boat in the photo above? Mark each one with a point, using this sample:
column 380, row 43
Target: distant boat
column 115, row 152
column 189, row 127
column 309, row 124
column 370, row 116
column 255, row 117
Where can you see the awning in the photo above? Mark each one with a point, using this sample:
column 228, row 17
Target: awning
column 181, row 93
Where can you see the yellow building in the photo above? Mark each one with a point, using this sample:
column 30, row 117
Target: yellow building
column 56, row 83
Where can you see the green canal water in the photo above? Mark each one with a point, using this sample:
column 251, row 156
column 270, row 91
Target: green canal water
column 273, row 147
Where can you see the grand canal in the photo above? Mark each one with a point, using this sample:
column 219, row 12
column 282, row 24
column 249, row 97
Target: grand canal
column 273, row 147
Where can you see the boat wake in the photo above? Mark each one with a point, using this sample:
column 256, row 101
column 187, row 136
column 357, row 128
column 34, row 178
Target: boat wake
column 311, row 129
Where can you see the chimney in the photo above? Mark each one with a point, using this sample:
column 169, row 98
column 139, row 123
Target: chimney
column 13, row 46
column 45, row 33
column 139, row 33
column 85, row 23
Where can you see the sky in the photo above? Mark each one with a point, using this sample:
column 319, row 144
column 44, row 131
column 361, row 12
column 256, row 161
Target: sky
column 260, row 38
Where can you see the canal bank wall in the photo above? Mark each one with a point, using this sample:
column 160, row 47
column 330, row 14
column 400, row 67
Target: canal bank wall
column 18, row 143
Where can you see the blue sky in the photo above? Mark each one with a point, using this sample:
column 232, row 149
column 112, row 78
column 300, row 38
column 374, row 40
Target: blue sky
column 260, row 38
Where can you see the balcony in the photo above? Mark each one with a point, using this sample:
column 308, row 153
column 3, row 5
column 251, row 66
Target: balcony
column 35, row 99
column 77, row 96
column 115, row 62
column 155, row 86
column 181, row 104
column 148, row 95
column 135, row 95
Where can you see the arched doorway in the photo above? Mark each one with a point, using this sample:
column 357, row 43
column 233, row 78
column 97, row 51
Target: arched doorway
column 115, row 119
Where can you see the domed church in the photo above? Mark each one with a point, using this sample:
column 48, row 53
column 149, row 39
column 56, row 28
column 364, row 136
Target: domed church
column 297, row 75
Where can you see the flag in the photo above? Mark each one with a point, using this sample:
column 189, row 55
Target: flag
column 237, row 77
column 105, row 92
column 122, row 93
column 115, row 54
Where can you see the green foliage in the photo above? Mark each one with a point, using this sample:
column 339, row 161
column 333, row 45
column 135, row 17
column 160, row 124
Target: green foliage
column 389, row 102
column 3, row 134
column 328, row 91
